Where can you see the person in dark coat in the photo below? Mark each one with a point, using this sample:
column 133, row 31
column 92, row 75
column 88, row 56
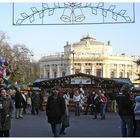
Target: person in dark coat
column 125, row 111
column 95, row 104
column 55, row 110
column 18, row 104
column 35, row 99
column 6, row 108
column 89, row 102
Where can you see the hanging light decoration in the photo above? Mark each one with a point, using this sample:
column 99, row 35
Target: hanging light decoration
column 5, row 72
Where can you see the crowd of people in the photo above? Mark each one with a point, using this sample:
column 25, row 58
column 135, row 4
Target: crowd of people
column 57, row 108
column 19, row 101
column 96, row 101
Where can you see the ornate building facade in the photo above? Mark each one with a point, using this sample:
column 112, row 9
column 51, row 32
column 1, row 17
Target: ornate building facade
column 91, row 57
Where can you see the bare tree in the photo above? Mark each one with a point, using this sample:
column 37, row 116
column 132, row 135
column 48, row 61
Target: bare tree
column 23, row 70
column 5, row 49
column 22, row 64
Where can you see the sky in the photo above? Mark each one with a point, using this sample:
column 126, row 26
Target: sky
column 45, row 39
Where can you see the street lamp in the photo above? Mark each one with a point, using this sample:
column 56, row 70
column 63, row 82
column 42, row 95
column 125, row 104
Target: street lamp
column 73, row 60
column 62, row 59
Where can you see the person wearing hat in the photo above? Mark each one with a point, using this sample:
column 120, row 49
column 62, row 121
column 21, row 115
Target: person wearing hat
column 137, row 115
column 6, row 108
column 55, row 110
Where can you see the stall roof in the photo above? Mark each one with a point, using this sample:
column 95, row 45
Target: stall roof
column 123, row 80
column 44, row 82
column 40, row 80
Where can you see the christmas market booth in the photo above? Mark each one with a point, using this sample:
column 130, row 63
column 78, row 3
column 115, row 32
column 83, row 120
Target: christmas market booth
column 80, row 80
column 74, row 80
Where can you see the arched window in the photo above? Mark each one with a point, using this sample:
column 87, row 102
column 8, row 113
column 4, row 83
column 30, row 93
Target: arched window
column 99, row 72
column 112, row 75
column 63, row 74
column 128, row 75
column 121, row 74
column 77, row 71
column 88, row 71
column 55, row 74
column 48, row 74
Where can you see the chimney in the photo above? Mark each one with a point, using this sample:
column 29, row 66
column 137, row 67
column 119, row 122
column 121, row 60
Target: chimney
column 67, row 43
column 108, row 43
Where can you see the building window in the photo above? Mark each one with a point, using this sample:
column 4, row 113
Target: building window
column 121, row 74
column 77, row 71
column 88, row 71
column 112, row 75
column 63, row 74
column 48, row 74
column 55, row 74
column 88, row 64
column 128, row 75
column 99, row 64
column 99, row 72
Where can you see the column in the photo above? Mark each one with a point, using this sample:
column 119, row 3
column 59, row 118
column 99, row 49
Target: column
column 68, row 72
column 93, row 69
column 104, row 70
column 125, row 71
column 44, row 71
column 82, row 68
column 117, row 71
column 50, row 71
column 108, row 70
column 59, row 72
column 71, row 68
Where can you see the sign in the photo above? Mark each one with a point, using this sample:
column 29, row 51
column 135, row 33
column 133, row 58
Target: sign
column 80, row 80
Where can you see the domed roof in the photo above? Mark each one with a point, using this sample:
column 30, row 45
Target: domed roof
column 87, row 37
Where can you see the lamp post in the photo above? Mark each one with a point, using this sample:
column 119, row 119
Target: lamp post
column 73, row 60
column 62, row 65
column 62, row 59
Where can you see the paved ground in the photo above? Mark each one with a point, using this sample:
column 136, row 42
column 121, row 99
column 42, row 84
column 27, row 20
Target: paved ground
column 82, row 126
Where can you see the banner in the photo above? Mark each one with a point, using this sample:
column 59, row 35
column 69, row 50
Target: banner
column 80, row 80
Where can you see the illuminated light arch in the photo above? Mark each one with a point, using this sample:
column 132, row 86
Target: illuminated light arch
column 73, row 13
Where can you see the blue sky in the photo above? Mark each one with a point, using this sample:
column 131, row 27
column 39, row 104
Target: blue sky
column 125, row 38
